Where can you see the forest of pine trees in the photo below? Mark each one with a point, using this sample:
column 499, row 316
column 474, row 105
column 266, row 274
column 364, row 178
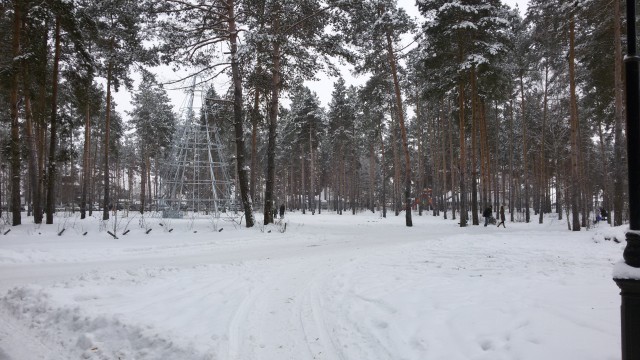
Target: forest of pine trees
column 466, row 104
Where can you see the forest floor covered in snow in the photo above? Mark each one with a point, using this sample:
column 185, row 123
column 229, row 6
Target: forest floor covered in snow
column 329, row 287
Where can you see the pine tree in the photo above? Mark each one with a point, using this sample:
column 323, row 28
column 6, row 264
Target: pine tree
column 547, row 46
column 13, row 103
column 119, row 38
column 600, row 57
column 376, row 38
column 462, row 40
column 296, row 45
column 66, row 17
column 373, row 98
column 154, row 122
column 307, row 118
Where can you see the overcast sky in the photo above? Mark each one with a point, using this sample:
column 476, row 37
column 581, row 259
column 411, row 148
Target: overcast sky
column 322, row 88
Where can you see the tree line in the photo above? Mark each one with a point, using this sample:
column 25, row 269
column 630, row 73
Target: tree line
column 466, row 105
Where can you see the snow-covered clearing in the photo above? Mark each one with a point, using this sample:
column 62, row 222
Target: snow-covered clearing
column 329, row 287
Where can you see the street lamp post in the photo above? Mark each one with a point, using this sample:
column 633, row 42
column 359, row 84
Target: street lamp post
column 627, row 274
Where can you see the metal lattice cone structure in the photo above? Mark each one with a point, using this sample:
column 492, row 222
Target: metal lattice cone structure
column 196, row 175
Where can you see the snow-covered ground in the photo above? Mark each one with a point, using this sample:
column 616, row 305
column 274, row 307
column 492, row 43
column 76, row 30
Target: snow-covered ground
column 329, row 287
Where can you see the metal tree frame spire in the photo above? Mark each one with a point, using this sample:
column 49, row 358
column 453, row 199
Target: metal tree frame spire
column 196, row 175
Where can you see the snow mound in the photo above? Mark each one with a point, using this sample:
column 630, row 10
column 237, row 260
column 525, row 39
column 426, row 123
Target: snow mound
column 77, row 334
column 608, row 233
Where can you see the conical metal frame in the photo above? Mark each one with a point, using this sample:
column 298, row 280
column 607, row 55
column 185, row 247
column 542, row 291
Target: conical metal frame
column 196, row 177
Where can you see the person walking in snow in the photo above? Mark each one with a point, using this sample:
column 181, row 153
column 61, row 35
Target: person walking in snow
column 502, row 217
column 487, row 215
column 603, row 214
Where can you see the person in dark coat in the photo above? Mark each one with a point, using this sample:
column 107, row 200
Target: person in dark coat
column 281, row 211
column 603, row 214
column 487, row 215
column 502, row 217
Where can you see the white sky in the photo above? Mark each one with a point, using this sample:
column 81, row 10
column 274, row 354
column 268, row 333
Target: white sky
column 322, row 88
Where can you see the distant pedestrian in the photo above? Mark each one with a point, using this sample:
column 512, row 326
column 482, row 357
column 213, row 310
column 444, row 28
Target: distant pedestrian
column 281, row 211
column 603, row 214
column 502, row 217
column 487, row 215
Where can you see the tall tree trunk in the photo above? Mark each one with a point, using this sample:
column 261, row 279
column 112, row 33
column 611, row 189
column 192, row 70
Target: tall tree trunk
column 503, row 171
column 51, row 172
column 511, row 176
column 558, row 188
column 484, row 164
column 303, row 183
column 339, row 190
column 383, row 175
column 255, row 114
column 273, row 118
column 143, row 182
column 575, row 173
column 156, row 169
column 403, row 130
column 542, row 144
column 41, row 105
column 354, row 184
column 474, row 167
column 34, row 176
column 42, row 118
column 15, row 120
column 40, row 144
column 605, row 168
column 92, row 180
column 130, row 182
column 451, row 162
column 243, row 177
column 396, row 168
column 582, row 168
column 525, row 168
column 484, row 137
column 372, row 177
column 433, row 131
column 497, row 167
column 620, row 162
column 443, row 144
column 335, row 188
column 420, row 177
column 312, row 177
column 463, row 160
column 107, row 133
column 85, row 162
column 344, row 186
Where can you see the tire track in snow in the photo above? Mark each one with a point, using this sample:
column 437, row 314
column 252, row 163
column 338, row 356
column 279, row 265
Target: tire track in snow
column 319, row 339
column 298, row 313
column 284, row 318
column 239, row 322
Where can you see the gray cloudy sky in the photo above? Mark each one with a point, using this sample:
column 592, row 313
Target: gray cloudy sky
column 323, row 88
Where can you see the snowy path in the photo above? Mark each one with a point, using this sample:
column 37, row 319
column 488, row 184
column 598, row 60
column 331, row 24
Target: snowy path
column 331, row 287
